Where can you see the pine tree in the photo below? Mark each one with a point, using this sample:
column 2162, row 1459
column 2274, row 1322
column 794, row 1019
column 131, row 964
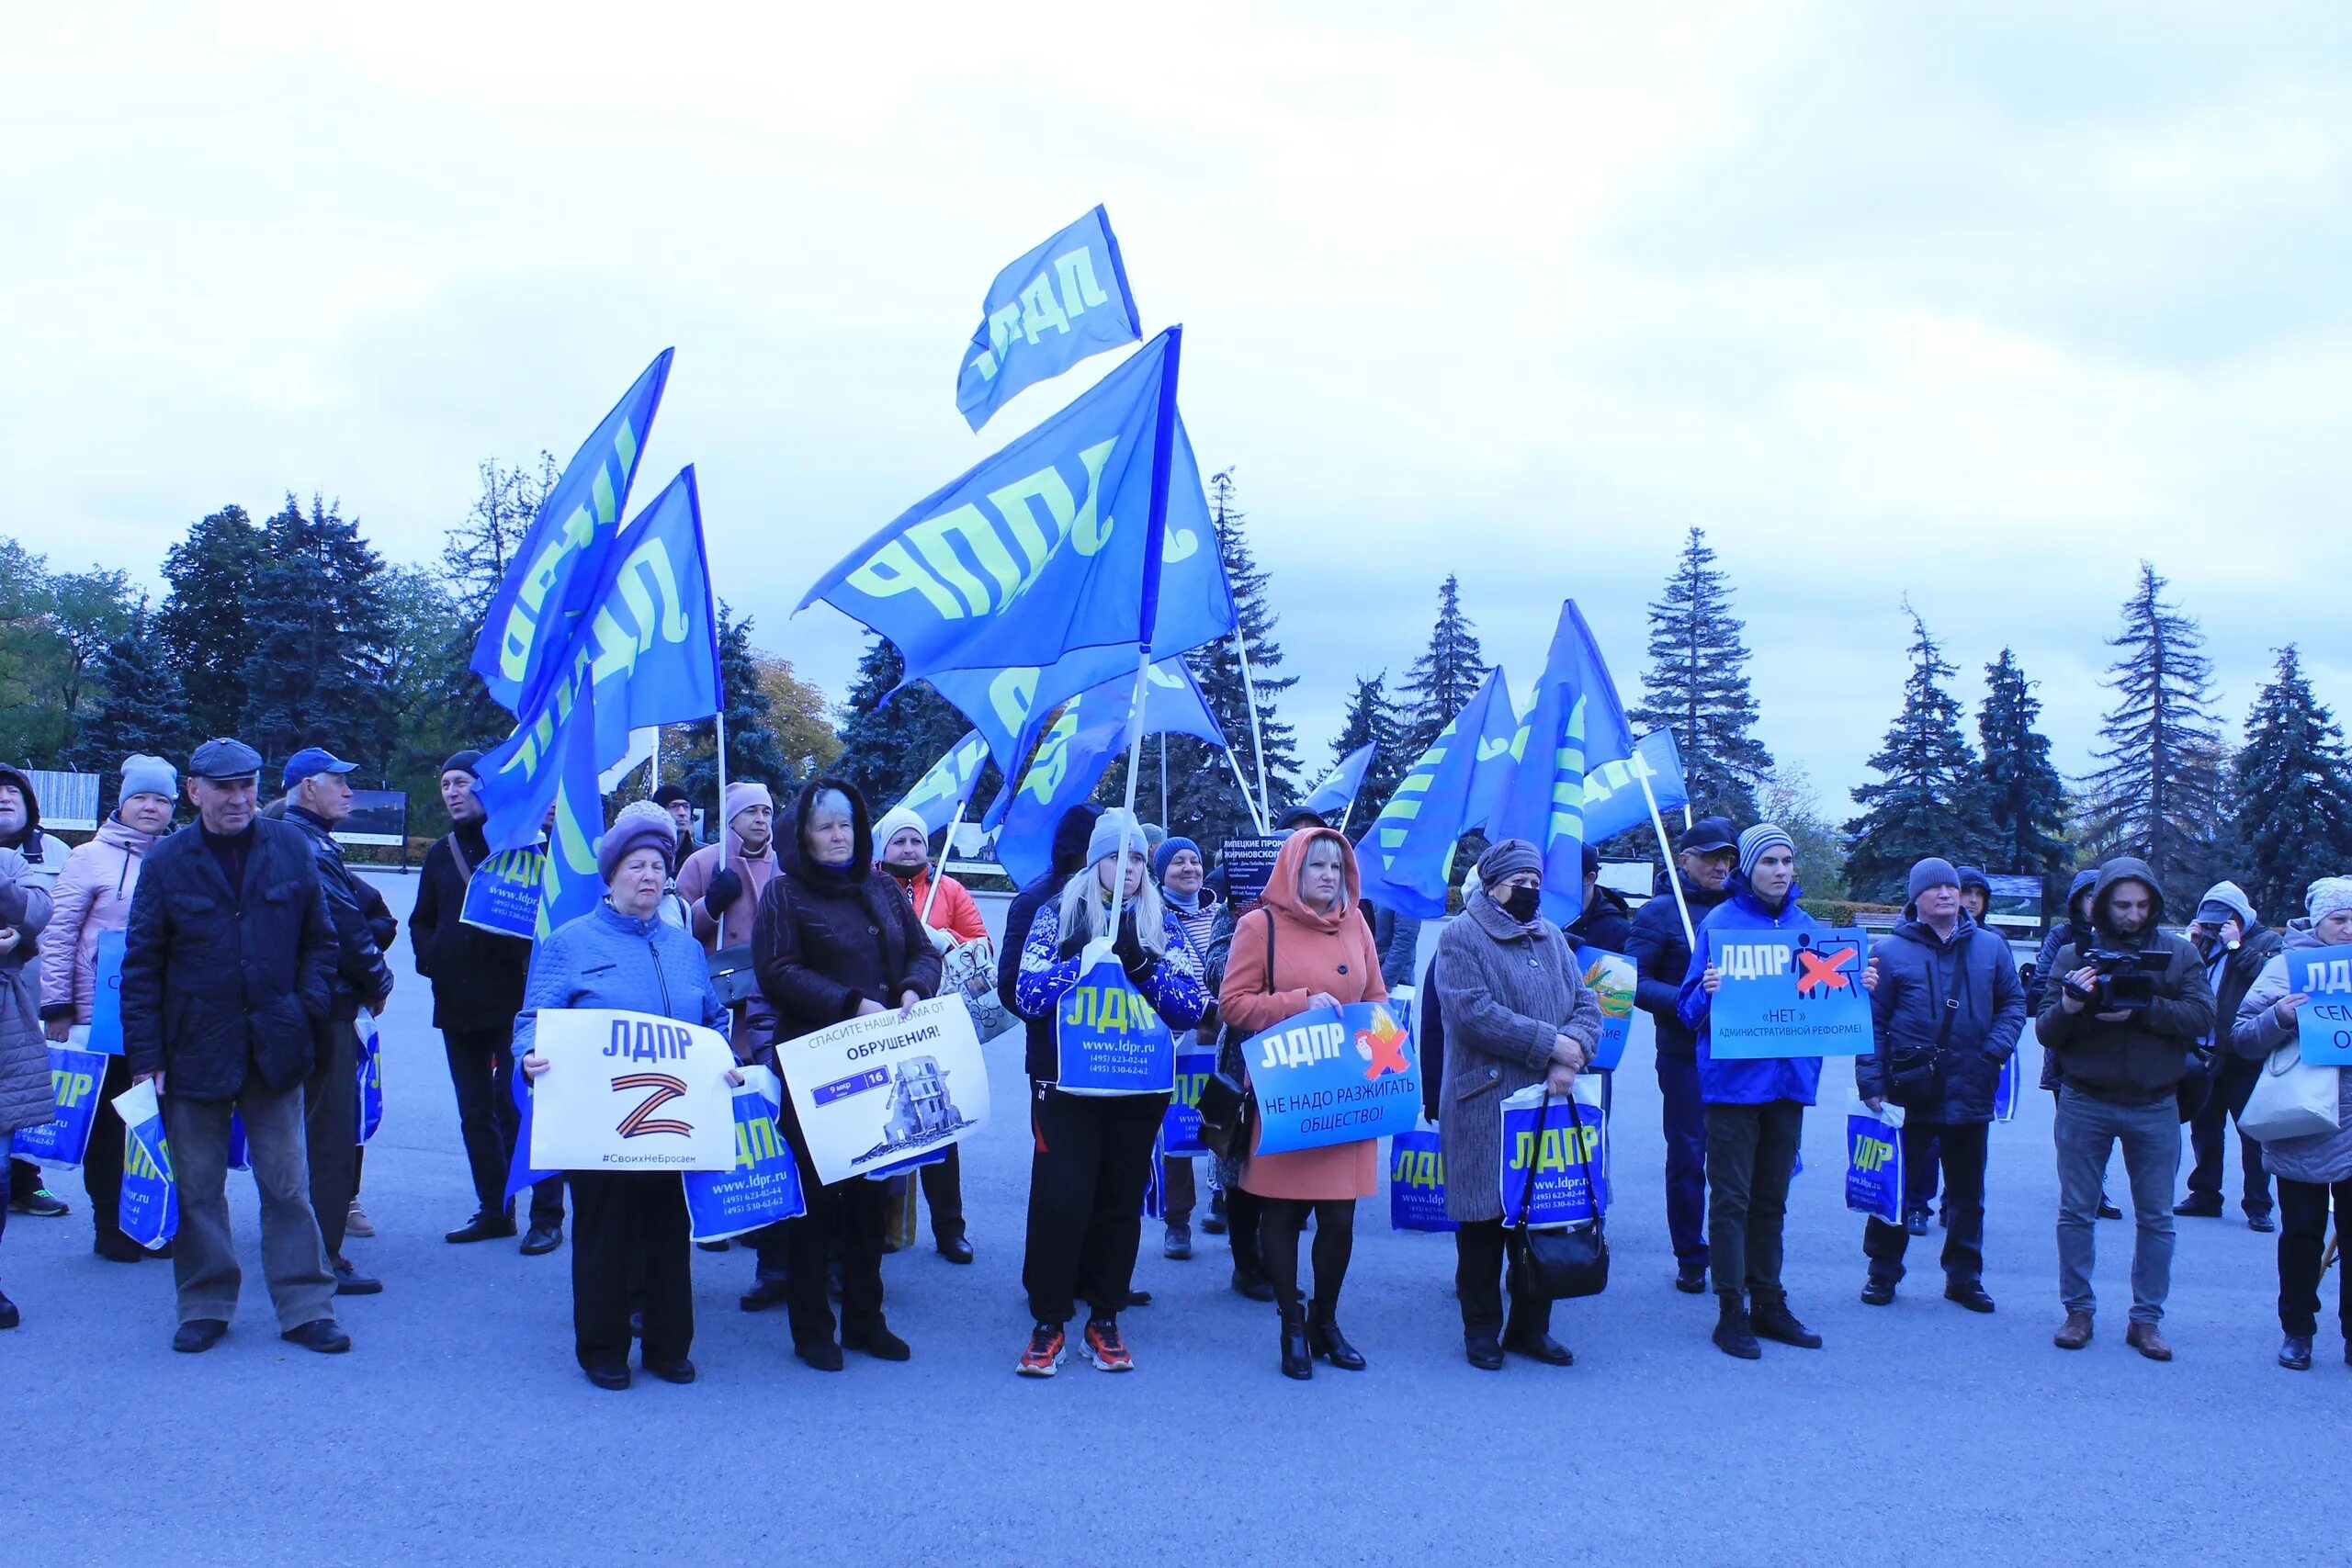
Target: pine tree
column 1374, row 721
column 753, row 753
column 2025, row 800
column 321, row 642
column 887, row 746
column 214, row 573
column 476, row 558
column 2294, row 793
column 135, row 707
column 1697, row 685
column 1931, row 801
column 1445, row 677
column 2157, row 793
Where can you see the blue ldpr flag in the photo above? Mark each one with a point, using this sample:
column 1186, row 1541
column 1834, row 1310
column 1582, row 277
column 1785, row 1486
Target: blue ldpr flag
column 1063, row 301
column 945, row 788
column 1078, row 746
column 646, row 652
column 1195, row 606
column 1449, row 790
column 1613, row 802
column 1051, row 546
column 1332, row 798
column 1543, row 799
column 522, row 653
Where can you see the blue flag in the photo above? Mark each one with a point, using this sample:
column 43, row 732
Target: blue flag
column 1063, row 301
column 523, row 651
column 1447, row 792
column 1090, row 730
column 646, row 652
column 1051, row 546
column 1336, row 794
column 1543, row 799
column 1614, row 802
column 946, row 788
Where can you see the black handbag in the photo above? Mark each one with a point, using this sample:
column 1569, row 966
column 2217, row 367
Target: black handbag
column 732, row 975
column 1558, row 1262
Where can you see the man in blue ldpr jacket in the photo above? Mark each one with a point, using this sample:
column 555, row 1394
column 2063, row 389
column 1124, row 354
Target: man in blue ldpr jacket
column 1754, row 1112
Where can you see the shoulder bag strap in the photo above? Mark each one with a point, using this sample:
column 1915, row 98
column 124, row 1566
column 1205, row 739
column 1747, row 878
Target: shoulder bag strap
column 458, row 854
column 1534, row 1159
column 1575, row 1125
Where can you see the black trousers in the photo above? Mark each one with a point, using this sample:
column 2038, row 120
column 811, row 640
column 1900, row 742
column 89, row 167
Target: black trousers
column 2209, row 1136
column 1244, row 1217
column 1479, row 1268
column 942, row 1194
column 482, row 1072
column 330, row 1129
column 2302, row 1242
column 850, row 1214
column 1283, row 1221
column 1919, row 1173
column 1086, row 1178
column 102, row 1166
column 1959, row 1149
column 629, row 1251
column 1752, row 1155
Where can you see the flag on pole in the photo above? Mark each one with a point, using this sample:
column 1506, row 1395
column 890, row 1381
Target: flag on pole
column 1449, row 790
column 1078, row 746
column 1613, row 802
column 1332, row 797
column 946, row 788
column 1060, row 303
column 646, row 653
column 527, row 632
column 1542, row 799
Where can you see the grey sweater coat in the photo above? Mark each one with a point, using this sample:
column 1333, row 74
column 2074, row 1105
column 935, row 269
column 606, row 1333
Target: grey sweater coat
column 26, row 1097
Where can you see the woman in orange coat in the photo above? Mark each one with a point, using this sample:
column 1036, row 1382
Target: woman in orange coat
column 1322, row 956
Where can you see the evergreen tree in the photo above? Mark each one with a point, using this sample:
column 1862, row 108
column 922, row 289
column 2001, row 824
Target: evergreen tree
column 753, row 753
column 1374, row 721
column 320, row 642
column 1445, row 677
column 1930, row 802
column 1697, row 686
column 136, row 706
column 2294, row 794
column 887, row 746
column 2025, row 800
column 2157, row 792
column 427, row 723
column 476, row 558
column 215, row 574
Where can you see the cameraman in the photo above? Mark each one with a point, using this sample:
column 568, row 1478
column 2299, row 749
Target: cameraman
column 2117, row 1068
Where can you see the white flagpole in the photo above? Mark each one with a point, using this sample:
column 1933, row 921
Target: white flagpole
column 1257, row 740
column 1673, row 872
column 1163, row 779
column 718, row 722
column 946, row 846
column 1257, row 816
column 1129, row 831
column 1350, row 811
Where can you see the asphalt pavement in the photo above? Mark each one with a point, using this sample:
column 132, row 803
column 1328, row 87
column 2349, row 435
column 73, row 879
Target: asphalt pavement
column 459, row 1430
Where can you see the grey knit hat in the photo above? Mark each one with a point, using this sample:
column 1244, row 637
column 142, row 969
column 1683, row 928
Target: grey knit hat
column 1507, row 859
column 640, row 824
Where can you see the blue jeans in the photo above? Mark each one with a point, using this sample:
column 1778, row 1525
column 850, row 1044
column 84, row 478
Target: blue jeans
column 2087, row 1132
column 1685, row 1120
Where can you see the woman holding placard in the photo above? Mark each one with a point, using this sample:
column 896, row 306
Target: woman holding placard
column 1517, row 1013
column 836, row 938
column 630, row 1229
column 1305, row 947
column 2316, row 1167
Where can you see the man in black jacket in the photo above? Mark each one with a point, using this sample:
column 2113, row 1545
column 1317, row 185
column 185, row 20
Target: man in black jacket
column 225, row 972
column 477, row 976
column 2120, row 1060
column 1659, row 945
column 1606, row 921
column 2234, row 946
column 317, row 798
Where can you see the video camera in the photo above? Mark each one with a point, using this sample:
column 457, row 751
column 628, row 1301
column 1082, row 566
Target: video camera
column 2127, row 978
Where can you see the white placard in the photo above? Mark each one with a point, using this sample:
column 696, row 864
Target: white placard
column 881, row 1090
column 631, row 1092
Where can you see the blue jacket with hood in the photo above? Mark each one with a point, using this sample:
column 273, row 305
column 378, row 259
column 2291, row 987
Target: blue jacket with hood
column 1756, row 1082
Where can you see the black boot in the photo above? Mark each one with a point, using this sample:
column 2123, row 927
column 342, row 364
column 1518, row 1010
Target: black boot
column 1732, row 1337
column 1299, row 1359
column 1773, row 1320
column 1324, row 1339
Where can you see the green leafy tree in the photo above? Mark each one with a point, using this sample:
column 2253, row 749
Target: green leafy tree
column 1697, row 685
column 2293, row 788
column 1445, row 677
column 2025, row 800
column 215, row 575
column 1930, row 798
column 35, row 663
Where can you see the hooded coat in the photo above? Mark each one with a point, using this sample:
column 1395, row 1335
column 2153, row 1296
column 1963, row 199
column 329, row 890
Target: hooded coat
column 44, row 854
column 1311, row 950
column 92, row 898
column 1922, row 978
column 2142, row 1058
column 1070, row 834
column 1762, row 1081
column 2233, row 974
column 1606, row 923
column 2256, row 1032
column 26, row 1092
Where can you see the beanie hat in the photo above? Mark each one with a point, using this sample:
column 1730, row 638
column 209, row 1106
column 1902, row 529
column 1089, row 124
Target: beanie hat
column 640, row 824
column 1757, row 839
column 1070, row 836
column 741, row 793
column 1506, row 860
column 1933, row 872
column 897, row 817
column 143, row 774
column 463, row 762
column 1108, row 829
column 2328, row 895
column 670, row 793
column 1161, row 856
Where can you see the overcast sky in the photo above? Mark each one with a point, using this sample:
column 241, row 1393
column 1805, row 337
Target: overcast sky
column 1973, row 304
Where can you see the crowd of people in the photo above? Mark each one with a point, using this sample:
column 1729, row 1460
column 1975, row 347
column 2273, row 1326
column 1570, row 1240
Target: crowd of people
column 250, row 949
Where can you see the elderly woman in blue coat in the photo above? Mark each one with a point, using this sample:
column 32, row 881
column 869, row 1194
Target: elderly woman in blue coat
column 629, row 1227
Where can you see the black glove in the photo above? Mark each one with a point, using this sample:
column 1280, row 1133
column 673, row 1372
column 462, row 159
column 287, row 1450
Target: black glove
column 1206, row 1029
column 1128, row 947
column 725, row 888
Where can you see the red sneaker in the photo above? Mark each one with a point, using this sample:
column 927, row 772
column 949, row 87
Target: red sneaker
column 1105, row 1348
column 1043, row 1352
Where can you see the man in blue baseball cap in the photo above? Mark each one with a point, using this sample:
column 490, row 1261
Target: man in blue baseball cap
column 318, row 798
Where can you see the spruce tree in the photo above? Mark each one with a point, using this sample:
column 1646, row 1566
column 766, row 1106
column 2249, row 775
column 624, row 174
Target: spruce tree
column 320, row 643
column 2294, row 794
column 2157, row 793
column 1931, row 799
column 887, row 746
column 1445, row 677
column 1203, row 803
column 2025, row 800
column 135, row 707
column 1372, row 720
column 214, row 575
column 1697, row 686
column 753, row 753
column 477, row 556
